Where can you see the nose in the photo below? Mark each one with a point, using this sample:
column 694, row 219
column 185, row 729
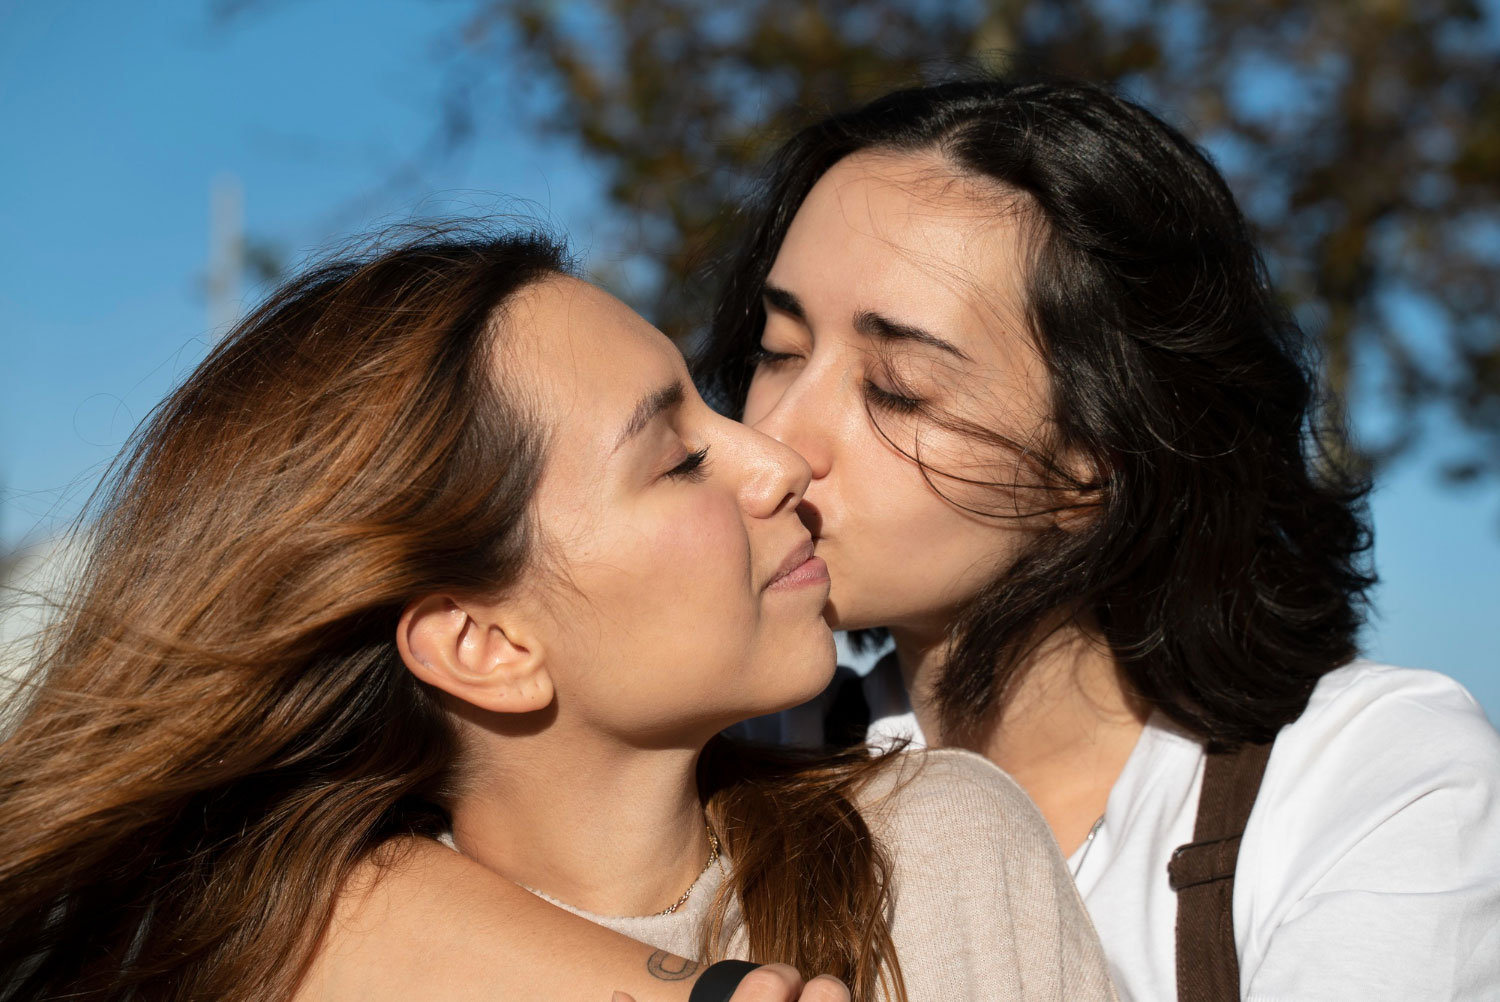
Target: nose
column 793, row 420
column 775, row 476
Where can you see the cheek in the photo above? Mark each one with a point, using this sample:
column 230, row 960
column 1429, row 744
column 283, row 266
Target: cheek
column 659, row 577
column 950, row 477
column 903, row 549
column 703, row 551
column 904, row 509
column 668, row 620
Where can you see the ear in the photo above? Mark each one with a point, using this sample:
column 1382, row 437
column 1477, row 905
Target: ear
column 1080, row 510
column 1080, row 507
column 469, row 651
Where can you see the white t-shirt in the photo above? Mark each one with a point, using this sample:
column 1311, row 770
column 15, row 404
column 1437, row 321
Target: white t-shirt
column 1370, row 866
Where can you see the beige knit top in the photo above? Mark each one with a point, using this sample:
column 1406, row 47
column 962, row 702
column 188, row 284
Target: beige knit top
column 984, row 906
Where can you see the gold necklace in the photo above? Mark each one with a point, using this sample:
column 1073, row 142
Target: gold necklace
column 713, row 857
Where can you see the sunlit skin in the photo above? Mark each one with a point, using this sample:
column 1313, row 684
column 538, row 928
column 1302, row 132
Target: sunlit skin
column 657, row 534
column 898, row 296
column 674, row 592
column 866, row 243
column 655, row 618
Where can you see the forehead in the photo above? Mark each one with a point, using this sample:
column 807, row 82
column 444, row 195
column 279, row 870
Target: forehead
column 587, row 359
column 882, row 190
column 903, row 231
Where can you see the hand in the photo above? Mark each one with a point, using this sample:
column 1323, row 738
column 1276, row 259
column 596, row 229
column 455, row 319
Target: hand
column 779, row 983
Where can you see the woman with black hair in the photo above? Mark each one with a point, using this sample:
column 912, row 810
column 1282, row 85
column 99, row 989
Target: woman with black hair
column 1066, row 449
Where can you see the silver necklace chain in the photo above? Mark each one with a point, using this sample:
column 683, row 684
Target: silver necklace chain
column 1088, row 843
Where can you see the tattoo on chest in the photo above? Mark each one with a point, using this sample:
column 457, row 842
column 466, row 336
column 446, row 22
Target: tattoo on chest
column 666, row 966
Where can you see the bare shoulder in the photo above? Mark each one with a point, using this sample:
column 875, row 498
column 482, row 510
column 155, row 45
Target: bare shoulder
column 393, row 917
column 418, row 920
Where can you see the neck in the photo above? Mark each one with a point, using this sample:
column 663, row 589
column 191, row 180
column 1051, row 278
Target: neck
column 1065, row 732
column 607, row 828
column 921, row 655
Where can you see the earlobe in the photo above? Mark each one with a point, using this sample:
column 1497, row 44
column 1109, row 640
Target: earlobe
column 466, row 650
column 1080, row 511
column 1080, row 505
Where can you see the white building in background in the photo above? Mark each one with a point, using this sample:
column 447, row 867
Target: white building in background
column 34, row 577
column 32, row 581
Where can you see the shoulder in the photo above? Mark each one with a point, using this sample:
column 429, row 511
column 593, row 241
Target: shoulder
column 1391, row 724
column 1379, row 750
column 984, row 906
column 1379, row 811
column 1370, row 682
column 1390, row 780
column 950, row 790
column 397, row 911
column 418, row 920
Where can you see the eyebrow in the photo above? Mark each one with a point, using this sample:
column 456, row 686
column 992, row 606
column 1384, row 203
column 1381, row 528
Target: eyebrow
column 784, row 301
column 651, row 406
column 867, row 322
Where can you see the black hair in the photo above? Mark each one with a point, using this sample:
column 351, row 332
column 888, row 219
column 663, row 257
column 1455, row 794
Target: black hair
column 1225, row 559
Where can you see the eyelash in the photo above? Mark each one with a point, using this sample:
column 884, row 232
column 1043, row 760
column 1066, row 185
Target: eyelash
column 895, row 402
column 693, row 468
column 761, row 356
column 891, row 401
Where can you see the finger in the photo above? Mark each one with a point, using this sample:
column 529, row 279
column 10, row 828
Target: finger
column 825, row 988
column 770, row 983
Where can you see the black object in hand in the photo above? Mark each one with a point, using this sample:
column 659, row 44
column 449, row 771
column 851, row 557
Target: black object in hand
column 718, row 981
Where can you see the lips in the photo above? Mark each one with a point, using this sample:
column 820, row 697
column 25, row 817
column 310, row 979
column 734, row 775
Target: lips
column 799, row 568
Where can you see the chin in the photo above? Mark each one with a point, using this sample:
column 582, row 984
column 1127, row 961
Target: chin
column 797, row 668
column 852, row 607
column 847, row 613
column 808, row 670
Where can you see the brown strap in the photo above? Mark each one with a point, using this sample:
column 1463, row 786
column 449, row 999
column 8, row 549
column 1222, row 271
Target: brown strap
column 1202, row 874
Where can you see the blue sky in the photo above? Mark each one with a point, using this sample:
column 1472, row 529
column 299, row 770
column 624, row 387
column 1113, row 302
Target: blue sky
column 116, row 119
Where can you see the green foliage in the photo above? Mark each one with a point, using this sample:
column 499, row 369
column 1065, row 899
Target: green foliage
column 1363, row 138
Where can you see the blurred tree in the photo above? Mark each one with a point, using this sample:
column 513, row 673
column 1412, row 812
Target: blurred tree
column 1362, row 137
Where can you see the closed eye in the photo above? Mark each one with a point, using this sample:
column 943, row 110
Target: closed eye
column 896, row 402
column 770, row 359
column 693, row 468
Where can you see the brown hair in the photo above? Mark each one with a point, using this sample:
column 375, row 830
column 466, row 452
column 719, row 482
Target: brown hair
column 219, row 729
column 790, row 825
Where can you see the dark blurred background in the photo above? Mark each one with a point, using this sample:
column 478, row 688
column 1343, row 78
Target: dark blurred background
column 165, row 160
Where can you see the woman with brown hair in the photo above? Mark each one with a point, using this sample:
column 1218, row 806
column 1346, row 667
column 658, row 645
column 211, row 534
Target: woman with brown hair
column 440, row 545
